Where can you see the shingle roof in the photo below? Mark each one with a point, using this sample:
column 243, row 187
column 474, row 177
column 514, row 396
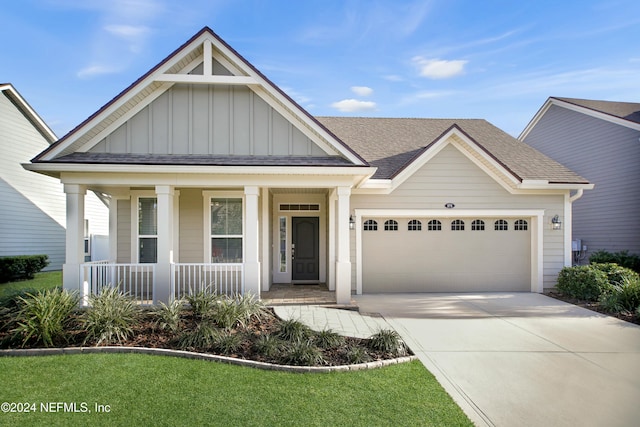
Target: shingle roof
column 200, row 160
column 623, row 110
column 391, row 144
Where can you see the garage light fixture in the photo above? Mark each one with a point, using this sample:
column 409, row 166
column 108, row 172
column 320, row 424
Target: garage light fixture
column 556, row 224
column 352, row 222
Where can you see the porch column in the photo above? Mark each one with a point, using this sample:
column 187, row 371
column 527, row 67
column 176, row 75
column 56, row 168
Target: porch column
column 343, row 263
column 162, row 291
column 331, row 280
column 74, row 246
column 251, row 241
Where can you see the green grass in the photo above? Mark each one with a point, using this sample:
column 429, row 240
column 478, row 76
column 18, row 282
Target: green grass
column 42, row 281
column 157, row 390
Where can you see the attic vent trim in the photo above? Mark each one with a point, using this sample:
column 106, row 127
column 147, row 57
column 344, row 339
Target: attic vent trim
column 299, row 207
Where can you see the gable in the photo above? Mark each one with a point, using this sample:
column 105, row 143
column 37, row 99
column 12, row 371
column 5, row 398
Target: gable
column 202, row 99
column 208, row 120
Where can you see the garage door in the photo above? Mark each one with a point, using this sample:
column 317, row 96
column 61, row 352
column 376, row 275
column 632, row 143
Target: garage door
column 446, row 254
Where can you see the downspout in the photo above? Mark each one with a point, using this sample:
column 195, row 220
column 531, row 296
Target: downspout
column 568, row 261
column 576, row 196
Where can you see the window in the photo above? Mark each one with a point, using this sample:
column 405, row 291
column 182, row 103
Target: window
column 521, row 225
column 477, row 225
column 147, row 230
column 457, row 225
column 299, row 207
column 415, row 225
column 283, row 244
column 370, row 225
column 434, row 225
column 226, row 230
column 391, row 225
column 501, row 225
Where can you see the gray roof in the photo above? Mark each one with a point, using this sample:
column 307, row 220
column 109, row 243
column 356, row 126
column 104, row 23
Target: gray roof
column 391, row 144
column 200, row 160
column 623, row 110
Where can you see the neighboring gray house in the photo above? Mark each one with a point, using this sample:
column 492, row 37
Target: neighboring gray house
column 600, row 140
column 217, row 177
column 33, row 206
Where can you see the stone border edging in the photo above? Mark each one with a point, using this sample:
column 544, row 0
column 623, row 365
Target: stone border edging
column 204, row 356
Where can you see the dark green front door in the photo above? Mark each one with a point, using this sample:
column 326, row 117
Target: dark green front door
column 305, row 251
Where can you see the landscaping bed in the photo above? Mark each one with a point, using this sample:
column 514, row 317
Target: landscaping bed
column 627, row 316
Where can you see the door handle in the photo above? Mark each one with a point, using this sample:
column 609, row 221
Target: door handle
column 293, row 251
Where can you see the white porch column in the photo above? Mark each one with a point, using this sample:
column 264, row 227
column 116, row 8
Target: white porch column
column 74, row 255
column 265, row 280
column 331, row 279
column 343, row 263
column 162, row 291
column 251, row 241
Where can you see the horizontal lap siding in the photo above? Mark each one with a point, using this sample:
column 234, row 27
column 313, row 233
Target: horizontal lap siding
column 450, row 177
column 607, row 155
column 191, row 226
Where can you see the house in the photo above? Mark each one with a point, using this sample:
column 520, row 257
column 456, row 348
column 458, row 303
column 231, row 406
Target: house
column 600, row 140
column 33, row 206
column 217, row 178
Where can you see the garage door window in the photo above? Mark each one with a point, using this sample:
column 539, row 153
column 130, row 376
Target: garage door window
column 457, row 225
column 370, row 225
column 501, row 225
column 415, row 225
column 391, row 225
column 477, row 225
column 434, row 225
column 521, row 225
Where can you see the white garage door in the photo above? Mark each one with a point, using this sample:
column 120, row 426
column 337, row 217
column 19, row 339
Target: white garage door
column 446, row 255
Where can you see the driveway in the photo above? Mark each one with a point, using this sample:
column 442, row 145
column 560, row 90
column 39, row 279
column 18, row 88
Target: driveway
column 521, row 359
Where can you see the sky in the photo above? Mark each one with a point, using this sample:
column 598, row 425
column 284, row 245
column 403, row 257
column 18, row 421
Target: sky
column 497, row 60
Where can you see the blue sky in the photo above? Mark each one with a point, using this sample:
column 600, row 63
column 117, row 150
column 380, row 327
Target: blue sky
column 491, row 59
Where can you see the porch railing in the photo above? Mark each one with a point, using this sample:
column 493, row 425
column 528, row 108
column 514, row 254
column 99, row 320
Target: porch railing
column 137, row 280
column 227, row 279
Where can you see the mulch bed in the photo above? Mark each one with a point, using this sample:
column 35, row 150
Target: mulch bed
column 594, row 306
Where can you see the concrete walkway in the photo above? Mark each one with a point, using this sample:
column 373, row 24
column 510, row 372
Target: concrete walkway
column 521, row 359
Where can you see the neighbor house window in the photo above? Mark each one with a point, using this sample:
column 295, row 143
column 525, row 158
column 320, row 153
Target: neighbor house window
column 477, row 225
column 391, row 225
column 147, row 230
column 370, row 225
column 434, row 225
column 501, row 225
column 415, row 225
column 226, row 230
column 457, row 225
column 521, row 225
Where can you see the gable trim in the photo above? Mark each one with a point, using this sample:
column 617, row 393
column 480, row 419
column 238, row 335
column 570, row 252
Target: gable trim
column 577, row 108
column 27, row 110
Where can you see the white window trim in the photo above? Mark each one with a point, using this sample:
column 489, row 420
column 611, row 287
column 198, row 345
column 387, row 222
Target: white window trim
column 536, row 228
column 207, row 196
column 135, row 237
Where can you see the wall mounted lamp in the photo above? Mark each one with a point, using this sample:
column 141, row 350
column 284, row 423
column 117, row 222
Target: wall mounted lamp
column 352, row 222
column 556, row 224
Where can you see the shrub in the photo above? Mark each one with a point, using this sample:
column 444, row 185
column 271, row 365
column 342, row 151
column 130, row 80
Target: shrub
column 616, row 274
column 169, row 317
column 583, row 282
column 111, row 316
column 303, row 353
column 238, row 311
column 624, row 296
column 328, row 339
column 357, row 354
column 45, row 317
column 227, row 342
column 202, row 337
column 294, row 331
column 387, row 341
column 622, row 258
column 203, row 302
column 269, row 346
column 22, row 267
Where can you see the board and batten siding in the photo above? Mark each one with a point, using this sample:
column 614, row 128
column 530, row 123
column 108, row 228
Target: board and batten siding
column 608, row 155
column 213, row 120
column 450, row 177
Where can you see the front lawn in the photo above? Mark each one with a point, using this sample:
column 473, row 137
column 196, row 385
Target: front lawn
column 156, row 390
column 42, row 281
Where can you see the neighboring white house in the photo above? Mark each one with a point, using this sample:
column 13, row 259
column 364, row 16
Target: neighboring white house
column 600, row 140
column 218, row 178
column 33, row 206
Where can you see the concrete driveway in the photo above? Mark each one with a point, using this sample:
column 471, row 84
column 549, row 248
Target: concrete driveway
column 521, row 359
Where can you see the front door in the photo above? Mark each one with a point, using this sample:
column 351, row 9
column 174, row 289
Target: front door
column 305, row 248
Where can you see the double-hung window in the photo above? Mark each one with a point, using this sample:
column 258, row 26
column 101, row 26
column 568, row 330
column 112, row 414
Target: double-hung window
column 147, row 230
column 225, row 229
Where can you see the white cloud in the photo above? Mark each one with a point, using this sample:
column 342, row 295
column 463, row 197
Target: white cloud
column 439, row 68
column 361, row 90
column 95, row 70
column 393, row 78
column 352, row 105
column 127, row 31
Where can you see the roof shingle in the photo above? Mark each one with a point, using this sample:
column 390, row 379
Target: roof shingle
column 623, row 110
